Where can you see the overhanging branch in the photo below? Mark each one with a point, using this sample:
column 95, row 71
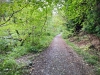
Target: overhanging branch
column 14, row 12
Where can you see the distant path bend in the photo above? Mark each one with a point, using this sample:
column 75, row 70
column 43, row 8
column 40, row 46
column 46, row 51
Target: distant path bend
column 59, row 59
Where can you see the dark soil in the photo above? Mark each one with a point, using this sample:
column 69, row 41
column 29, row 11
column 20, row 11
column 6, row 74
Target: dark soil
column 59, row 59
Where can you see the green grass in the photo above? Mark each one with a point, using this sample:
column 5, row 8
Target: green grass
column 8, row 67
column 88, row 58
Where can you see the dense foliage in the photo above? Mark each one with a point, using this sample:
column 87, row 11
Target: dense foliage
column 25, row 26
column 83, row 15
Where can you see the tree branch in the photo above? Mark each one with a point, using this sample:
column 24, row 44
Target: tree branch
column 14, row 12
column 44, row 21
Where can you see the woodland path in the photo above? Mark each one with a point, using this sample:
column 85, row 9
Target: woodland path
column 59, row 59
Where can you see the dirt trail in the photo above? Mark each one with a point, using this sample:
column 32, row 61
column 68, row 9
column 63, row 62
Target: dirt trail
column 59, row 59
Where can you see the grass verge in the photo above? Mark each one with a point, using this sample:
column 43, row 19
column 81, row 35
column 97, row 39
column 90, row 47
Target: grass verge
column 90, row 59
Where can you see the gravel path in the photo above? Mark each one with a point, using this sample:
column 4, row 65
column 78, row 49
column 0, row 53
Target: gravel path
column 59, row 59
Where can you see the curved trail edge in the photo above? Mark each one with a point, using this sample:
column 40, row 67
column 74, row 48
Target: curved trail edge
column 59, row 59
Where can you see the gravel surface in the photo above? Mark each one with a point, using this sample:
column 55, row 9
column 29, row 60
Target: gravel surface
column 59, row 59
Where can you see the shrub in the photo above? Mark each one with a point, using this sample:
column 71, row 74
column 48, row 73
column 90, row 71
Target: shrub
column 4, row 46
column 9, row 67
column 98, row 71
column 33, row 49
